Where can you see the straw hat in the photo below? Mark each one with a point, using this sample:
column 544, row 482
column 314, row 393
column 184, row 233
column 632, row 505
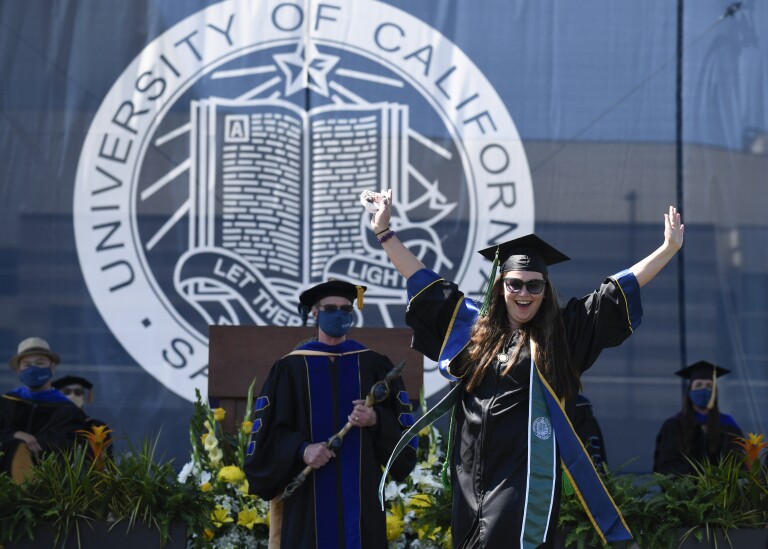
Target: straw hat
column 33, row 346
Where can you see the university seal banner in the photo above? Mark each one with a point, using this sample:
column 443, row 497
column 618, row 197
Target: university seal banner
column 221, row 172
column 168, row 166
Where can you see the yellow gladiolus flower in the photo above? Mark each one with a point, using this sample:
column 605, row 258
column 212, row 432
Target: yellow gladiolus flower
column 232, row 474
column 220, row 517
column 206, row 487
column 210, row 441
column 203, row 437
column 247, row 426
column 219, row 414
column 216, row 456
column 208, row 534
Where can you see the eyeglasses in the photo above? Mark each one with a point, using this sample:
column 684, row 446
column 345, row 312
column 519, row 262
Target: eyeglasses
column 334, row 308
column 76, row 392
column 515, row 285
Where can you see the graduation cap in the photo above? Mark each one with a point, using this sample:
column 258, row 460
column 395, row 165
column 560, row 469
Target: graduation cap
column 704, row 370
column 65, row 381
column 333, row 287
column 527, row 253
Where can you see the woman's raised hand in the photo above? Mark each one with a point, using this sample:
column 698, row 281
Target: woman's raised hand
column 380, row 205
column 674, row 230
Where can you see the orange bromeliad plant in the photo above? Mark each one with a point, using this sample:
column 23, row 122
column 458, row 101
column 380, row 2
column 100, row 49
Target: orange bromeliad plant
column 753, row 446
column 98, row 441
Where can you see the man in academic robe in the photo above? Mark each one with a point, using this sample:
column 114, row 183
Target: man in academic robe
column 35, row 418
column 309, row 396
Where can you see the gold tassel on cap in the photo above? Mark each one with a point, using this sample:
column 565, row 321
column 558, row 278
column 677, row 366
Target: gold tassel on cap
column 489, row 285
column 360, row 292
column 711, row 403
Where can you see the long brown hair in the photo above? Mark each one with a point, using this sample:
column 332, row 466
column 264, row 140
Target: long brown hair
column 491, row 333
column 689, row 425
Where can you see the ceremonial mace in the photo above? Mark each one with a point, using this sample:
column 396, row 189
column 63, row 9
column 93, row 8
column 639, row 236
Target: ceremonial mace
column 378, row 393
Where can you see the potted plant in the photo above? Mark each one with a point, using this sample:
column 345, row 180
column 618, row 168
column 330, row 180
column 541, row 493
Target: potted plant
column 84, row 498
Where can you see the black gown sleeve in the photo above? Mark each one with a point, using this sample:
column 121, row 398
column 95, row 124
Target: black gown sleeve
column 61, row 428
column 667, row 458
column 597, row 321
column 429, row 314
column 273, row 454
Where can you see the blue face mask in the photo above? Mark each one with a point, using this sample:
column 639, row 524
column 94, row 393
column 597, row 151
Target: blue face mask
column 35, row 376
column 700, row 397
column 335, row 324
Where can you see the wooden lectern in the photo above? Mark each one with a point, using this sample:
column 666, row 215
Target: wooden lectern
column 237, row 354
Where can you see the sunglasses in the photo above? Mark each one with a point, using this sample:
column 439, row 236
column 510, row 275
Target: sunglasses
column 334, row 308
column 515, row 285
column 76, row 392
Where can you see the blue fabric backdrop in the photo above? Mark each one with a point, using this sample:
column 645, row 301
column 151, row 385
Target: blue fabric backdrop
column 127, row 226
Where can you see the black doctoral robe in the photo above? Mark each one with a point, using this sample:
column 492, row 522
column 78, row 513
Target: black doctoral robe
column 489, row 455
column 669, row 459
column 53, row 421
column 306, row 399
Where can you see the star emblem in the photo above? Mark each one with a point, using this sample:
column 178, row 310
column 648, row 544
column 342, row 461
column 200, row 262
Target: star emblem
column 306, row 68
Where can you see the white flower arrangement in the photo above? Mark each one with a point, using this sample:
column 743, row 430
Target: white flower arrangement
column 239, row 520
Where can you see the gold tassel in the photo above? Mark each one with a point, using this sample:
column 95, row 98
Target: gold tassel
column 359, row 297
column 489, row 285
column 711, row 403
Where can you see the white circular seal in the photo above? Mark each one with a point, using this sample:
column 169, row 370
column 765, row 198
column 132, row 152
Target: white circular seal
column 542, row 428
column 222, row 171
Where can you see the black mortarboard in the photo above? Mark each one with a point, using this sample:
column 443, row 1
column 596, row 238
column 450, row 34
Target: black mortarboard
column 527, row 253
column 701, row 370
column 313, row 295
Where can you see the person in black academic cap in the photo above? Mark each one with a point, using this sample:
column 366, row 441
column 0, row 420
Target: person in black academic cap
column 35, row 418
column 78, row 389
column 512, row 363
column 700, row 432
column 309, row 395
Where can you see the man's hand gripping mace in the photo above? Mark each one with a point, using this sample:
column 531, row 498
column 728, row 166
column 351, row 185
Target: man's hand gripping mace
column 378, row 393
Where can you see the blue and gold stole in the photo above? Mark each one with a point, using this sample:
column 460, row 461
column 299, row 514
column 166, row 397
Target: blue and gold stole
column 337, row 485
column 50, row 395
column 549, row 430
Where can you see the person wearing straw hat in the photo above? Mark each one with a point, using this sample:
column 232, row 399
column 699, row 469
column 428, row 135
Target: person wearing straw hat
column 700, row 432
column 36, row 418
column 512, row 363
column 309, row 395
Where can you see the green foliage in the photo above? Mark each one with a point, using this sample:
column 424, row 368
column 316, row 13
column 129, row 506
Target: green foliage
column 69, row 490
column 657, row 508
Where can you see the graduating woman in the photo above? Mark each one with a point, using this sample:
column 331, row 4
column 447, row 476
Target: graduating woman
column 513, row 364
column 700, row 432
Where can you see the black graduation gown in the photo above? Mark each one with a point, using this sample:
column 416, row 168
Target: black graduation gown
column 489, row 455
column 53, row 424
column 283, row 426
column 586, row 426
column 667, row 457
